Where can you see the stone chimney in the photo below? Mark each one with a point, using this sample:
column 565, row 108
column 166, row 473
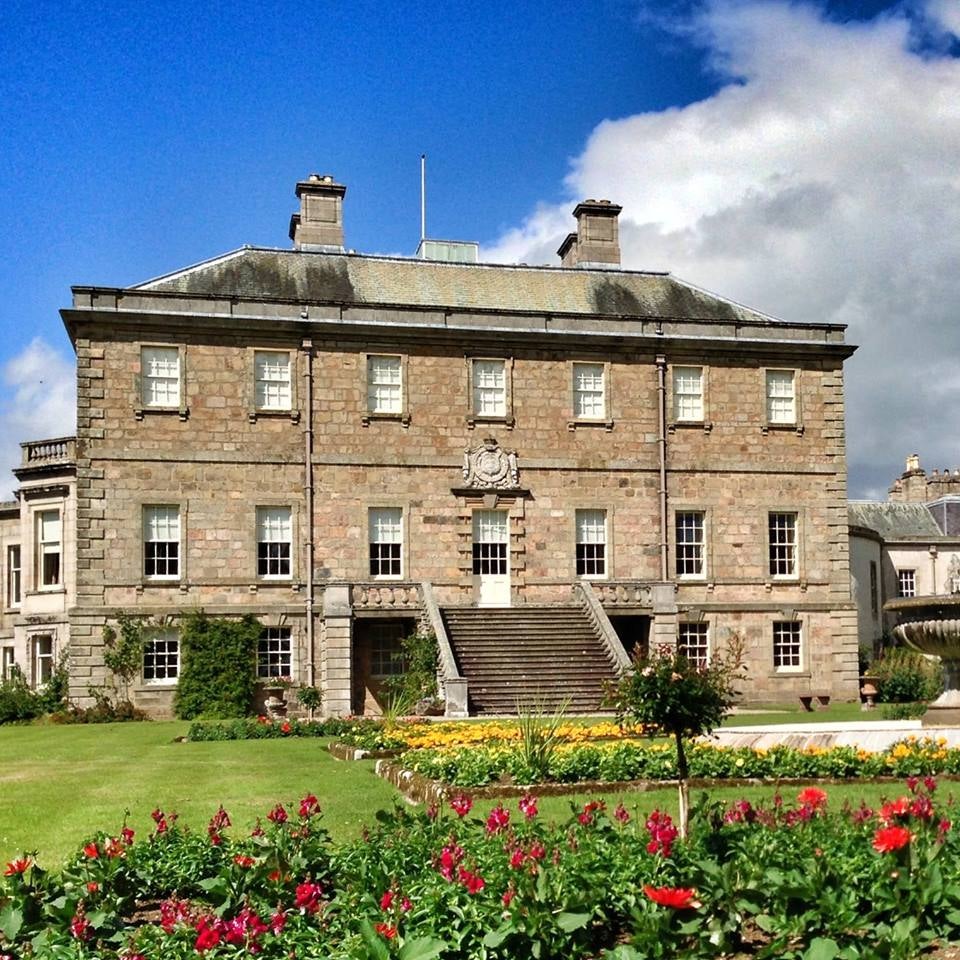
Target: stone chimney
column 319, row 224
column 911, row 485
column 596, row 243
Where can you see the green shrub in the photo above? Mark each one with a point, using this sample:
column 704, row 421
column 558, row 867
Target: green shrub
column 218, row 666
column 905, row 676
column 419, row 656
column 17, row 700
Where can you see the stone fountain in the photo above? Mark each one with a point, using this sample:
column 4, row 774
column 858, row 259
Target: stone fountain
column 932, row 626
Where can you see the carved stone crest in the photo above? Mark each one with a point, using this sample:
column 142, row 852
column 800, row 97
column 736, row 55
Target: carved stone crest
column 490, row 467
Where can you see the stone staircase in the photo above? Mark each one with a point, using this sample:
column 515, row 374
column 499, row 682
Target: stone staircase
column 532, row 656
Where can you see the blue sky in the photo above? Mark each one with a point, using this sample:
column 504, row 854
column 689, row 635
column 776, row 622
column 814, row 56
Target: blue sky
column 138, row 138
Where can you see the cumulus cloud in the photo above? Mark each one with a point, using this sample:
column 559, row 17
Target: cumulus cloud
column 819, row 183
column 38, row 402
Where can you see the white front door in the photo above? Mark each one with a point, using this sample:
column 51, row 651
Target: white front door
column 491, row 557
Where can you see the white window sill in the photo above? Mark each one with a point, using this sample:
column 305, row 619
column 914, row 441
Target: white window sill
column 274, row 412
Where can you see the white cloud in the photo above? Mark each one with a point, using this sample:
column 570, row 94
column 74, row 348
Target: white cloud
column 39, row 401
column 820, row 183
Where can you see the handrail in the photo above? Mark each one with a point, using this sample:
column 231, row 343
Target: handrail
column 453, row 682
column 598, row 616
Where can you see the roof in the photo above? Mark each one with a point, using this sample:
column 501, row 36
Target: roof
column 894, row 520
column 264, row 273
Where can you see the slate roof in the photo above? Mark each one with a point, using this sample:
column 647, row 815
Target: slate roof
column 894, row 520
column 263, row 273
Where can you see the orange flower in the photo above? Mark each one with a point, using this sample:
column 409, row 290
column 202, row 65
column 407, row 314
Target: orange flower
column 888, row 839
column 15, row 867
column 679, row 898
column 895, row 808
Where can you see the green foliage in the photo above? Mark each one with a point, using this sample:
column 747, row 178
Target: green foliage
column 261, row 728
column 419, row 656
column 903, row 711
column 217, row 666
column 309, row 698
column 906, row 676
column 539, row 739
column 123, row 651
column 19, row 702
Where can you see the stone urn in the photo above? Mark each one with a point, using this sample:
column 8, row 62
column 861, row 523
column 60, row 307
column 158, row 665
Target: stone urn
column 932, row 626
column 868, row 688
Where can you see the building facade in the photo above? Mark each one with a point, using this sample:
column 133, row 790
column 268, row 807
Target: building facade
column 906, row 546
column 346, row 446
column 37, row 560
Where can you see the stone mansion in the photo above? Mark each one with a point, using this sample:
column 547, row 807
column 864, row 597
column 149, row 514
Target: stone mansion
column 547, row 466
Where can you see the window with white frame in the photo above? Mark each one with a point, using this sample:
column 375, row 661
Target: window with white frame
column 42, row 647
column 906, row 583
column 384, row 384
column 386, row 541
column 782, row 534
column 8, row 663
column 690, row 543
column 589, row 394
column 688, row 394
column 49, row 533
column 591, row 543
column 13, row 575
column 275, row 653
column 490, row 388
column 161, row 657
column 274, row 542
column 787, row 645
column 781, row 396
column 161, row 542
column 693, row 642
column 160, row 376
column 272, row 380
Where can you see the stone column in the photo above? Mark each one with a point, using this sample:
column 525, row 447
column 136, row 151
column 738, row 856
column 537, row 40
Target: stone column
column 337, row 661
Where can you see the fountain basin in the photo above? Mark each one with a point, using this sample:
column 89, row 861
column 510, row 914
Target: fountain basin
column 931, row 625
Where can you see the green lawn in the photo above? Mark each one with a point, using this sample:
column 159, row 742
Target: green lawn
column 762, row 715
column 59, row 784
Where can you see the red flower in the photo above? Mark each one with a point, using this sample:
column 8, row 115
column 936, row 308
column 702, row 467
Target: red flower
column 662, row 833
column 386, row 901
column 285, row 727
column 218, row 822
column 307, row 897
column 80, row 927
column 309, row 806
column 812, row 797
column 126, row 834
column 528, row 805
column 888, row 839
column 895, row 808
column 508, row 895
column 406, row 905
column 621, row 813
column 472, row 881
column 242, row 860
column 91, row 851
column 679, row 898
column 278, row 921
column 15, row 867
column 450, row 856
column 537, row 850
column 278, row 814
column 114, row 848
column 498, row 819
column 93, row 886
column 461, row 804
column 517, row 858
column 386, row 930
column 208, row 936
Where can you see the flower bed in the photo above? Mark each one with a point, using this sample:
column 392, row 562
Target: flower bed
column 794, row 880
column 263, row 728
column 632, row 760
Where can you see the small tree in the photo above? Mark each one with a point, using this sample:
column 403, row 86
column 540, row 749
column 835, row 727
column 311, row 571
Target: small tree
column 123, row 651
column 665, row 690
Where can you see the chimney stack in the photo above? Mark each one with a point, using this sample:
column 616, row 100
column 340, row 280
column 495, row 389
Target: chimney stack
column 319, row 224
column 596, row 244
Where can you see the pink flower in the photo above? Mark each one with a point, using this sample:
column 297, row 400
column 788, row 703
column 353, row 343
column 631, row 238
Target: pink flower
column 80, row 927
column 498, row 820
column 208, row 935
column 461, row 804
column 662, row 833
column 309, row 806
column 508, row 896
column 517, row 858
column 278, row 921
column 528, row 805
column 450, row 856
